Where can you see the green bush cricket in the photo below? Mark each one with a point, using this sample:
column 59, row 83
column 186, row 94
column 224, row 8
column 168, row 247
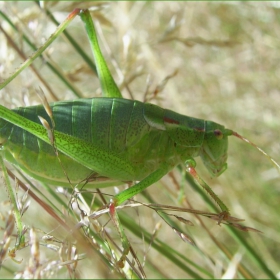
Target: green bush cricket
column 204, row 138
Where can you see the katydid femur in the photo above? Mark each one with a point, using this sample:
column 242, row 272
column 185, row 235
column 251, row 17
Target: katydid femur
column 110, row 140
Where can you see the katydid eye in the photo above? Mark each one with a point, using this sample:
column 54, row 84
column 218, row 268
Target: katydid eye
column 218, row 133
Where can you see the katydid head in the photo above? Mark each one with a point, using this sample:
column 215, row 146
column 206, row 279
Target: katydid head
column 214, row 148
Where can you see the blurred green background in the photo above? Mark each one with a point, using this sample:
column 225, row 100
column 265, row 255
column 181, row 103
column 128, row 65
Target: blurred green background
column 226, row 55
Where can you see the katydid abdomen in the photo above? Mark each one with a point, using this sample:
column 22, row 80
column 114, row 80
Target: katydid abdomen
column 146, row 136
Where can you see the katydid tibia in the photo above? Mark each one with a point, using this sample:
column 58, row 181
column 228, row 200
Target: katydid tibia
column 109, row 140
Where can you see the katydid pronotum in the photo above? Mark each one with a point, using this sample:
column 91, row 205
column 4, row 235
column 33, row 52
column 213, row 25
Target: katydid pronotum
column 122, row 141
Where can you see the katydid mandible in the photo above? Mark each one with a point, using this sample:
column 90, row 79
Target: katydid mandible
column 110, row 140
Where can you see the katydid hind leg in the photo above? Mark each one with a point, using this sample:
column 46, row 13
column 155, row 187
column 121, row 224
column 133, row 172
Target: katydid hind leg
column 108, row 85
column 16, row 210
